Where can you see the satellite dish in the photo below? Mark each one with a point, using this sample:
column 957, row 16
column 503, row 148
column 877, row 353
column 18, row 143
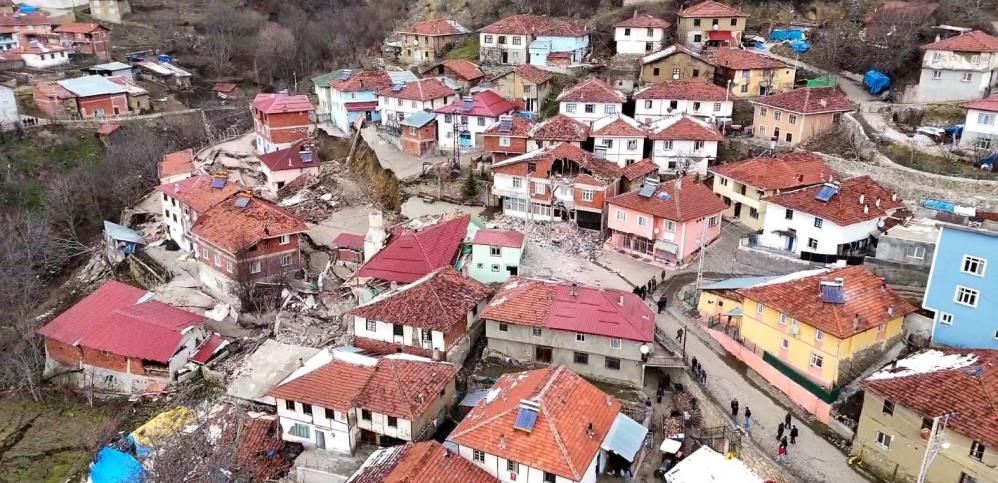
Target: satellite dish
column 880, row 223
column 645, row 349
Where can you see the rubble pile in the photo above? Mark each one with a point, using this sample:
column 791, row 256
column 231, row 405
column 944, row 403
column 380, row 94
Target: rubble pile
column 309, row 199
column 304, row 320
column 682, row 401
column 673, row 426
column 564, row 236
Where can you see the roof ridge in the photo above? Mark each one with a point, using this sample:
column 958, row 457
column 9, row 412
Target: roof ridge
column 475, row 427
column 561, row 446
column 401, row 388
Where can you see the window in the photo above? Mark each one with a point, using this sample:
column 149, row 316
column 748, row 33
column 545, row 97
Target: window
column 792, row 118
column 915, row 251
column 580, row 337
column 723, row 181
column 503, row 327
column 975, row 59
column 945, row 318
column 816, row 360
column 675, row 73
column 789, row 214
column 744, row 88
column 759, row 308
column 712, row 221
column 777, row 115
column 487, row 40
column 965, row 478
column 495, row 251
column 610, row 108
column 717, row 107
column 642, row 221
column 785, row 345
column 666, row 144
column 762, row 130
column 517, row 183
column 698, row 145
column 937, row 75
column 570, row 108
column 289, row 405
column 734, row 22
column 763, row 111
column 540, row 188
column 612, row 363
column 535, row 331
column 818, row 222
column 985, row 119
column 783, row 319
column 371, row 325
column 746, row 74
column 502, row 39
column 713, row 22
column 608, row 143
column 966, row 296
column 670, row 225
column 696, row 22
column 648, row 104
column 696, row 106
column 632, row 144
column 549, row 477
column 581, row 358
column 306, row 408
column 512, row 466
column 819, row 335
column 393, row 422
column 526, row 89
column 888, row 407
column 517, row 40
column 256, row 267
column 966, row 76
column 621, row 215
column 696, row 73
column 504, row 141
column 478, row 456
column 884, row 440
column 982, row 143
column 286, row 261
column 590, row 108
column 977, row 450
column 588, row 195
column 481, row 121
column 365, row 415
column 614, row 343
column 300, row 430
column 218, row 260
column 937, row 56
column 656, row 71
column 790, row 137
column 754, row 213
column 973, row 265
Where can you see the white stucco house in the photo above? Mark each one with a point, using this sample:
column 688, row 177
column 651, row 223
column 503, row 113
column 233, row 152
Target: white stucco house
column 463, row 121
column 980, row 129
column 960, row 68
column 8, row 106
column 640, row 34
column 683, row 144
column 398, row 101
column 285, row 165
column 619, row 139
column 44, row 56
column 703, row 100
column 590, row 101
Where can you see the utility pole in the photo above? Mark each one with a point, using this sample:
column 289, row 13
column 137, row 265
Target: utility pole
column 934, row 445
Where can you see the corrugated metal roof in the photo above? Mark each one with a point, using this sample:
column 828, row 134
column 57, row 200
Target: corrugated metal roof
column 112, row 66
column 625, row 437
column 737, row 283
column 419, row 119
column 91, row 85
column 121, row 233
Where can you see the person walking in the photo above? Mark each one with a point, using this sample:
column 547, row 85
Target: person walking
column 734, row 408
column 679, row 334
column 694, row 365
column 703, row 375
column 779, row 431
column 781, row 454
column 748, row 418
column 786, row 420
column 662, row 301
column 793, row 434
column 783, row 442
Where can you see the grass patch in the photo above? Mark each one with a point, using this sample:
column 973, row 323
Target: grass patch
column 943, row 115
column 624, row 393
column 467, row 51
column 39, row 155
column 949, row 166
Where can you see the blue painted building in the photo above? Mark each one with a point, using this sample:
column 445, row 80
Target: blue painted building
column 560, row 43
column 963, row 288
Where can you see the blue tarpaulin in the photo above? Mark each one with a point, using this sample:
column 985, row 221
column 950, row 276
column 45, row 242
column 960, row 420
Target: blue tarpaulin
column 954, row 131
column 800, row 46
column 876, row 81
column 113, row 466
column 780, row 35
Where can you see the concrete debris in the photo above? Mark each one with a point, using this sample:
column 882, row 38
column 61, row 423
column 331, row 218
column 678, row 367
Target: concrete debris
column 219, row 312
column 310, row 199
column 563, row 236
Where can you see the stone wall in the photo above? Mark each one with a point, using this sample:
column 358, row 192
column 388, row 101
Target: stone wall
column 850, row 369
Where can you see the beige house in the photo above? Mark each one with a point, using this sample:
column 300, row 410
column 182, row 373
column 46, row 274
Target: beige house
column 748, row 74
column 675, row 63
column 424, row 41
column 526, row 85
column 796, row 116
column 710, row 24
column 904, row 400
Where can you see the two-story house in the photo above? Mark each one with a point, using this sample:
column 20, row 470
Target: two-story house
column 341, row 398
column 796, row 116
column 507, row 40
column 675, row 63
column 559, row 43
column 96, row 97
column 597, row 332
column 683, row 144
column 547, row 425
column 280, row 119
column 619, row 139
column 462, row 71
column 931, row 391
column 400, row 100
column 527, row 86
column 961, row 288
column 559, row 129
column 285, row 165
column 176, row 166
column 507, row 137
column 352, row 94
column 960, row 68
column 748, row 74
column 461, row 123
column 827, row 328
column 28, row 28
column 419, row 133
column 590, row 100
column 980, row 129
column 640, row 34
column 245, row 240
column 186, row 199
column 745, row 184
column 697, row 98
column 120, row 339
column 829, row 220
column 557, row 182
column 665, row 223
column 710, row 24
column 85, row 38
column 423, row 42
column 435, row 316
column 425, row 462
column 496, row 255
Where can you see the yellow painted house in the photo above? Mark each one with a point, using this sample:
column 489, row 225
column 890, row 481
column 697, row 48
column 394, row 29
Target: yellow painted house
column 827, row 327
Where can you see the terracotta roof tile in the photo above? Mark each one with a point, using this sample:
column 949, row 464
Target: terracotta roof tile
column 261, row 454
column 643, row 20
column 591, row 90
column 349, row 240
column 485, row 103
column 544, row 158
column 563, row 28
column 971, row 398
column 197, row 192
column 560, row 442
column 405, row 388
column 533, row 74
column 683, row 128
column 986, row 104
column 895, row 15
column 560, row 128
column 693, row 200
column 290, row 158
column 690, row 90
column 179, row 162
column 710, row 8
column 809, row 100
column 439, row 301
column 363, row 81
column 866, row 295
column 409, row 255
column 516, row 25
column 280, row 103
column 464, row 69
column 435, row 27
column 235, row 229
column 425, row 462
column 79, row 28
column 786, row 171
column 640, row 169
column 336, row 385
column 224, row 87
column 499, row 238
column 618, row 125
column 519, row 127
column 973, row 41
column 844, row 208
column 736, row 58
column 421, row 90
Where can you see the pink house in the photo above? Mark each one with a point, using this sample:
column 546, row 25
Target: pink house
column 663, row 222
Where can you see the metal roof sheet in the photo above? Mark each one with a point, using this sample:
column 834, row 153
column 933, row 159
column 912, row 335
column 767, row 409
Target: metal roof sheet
column 91, row 85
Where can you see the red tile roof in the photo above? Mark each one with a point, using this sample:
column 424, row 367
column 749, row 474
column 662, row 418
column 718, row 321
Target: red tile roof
column 115, row 319
column 464, row 69
column 618, row 126
column 516, row 25
column 224, row 87
column 261, row 454
column 410, row 255
column 280, row 103
column 736, row 58
column 486, row 103
column 844, row 208
column 520, row 128
column 683, row 128
column 895, row 15
column 711, row 8
column 563, row 28
column 691, row 90
column 235, row 229
column 421, row 90
column 591, row 90
column 289, row 158
column 197, row 192
column 971, row 398
column 532, row 74
column 35, row 18
column 693, row 200
column 560, row 128
column 560, row 442
column 349, row 240
column 986, row 104
column 809, row 100
column 439, row 301
column 208, row 349
column 52, row 89
column 405, row 388
column 545, row 157
column 643, row 20
column 640, row 169
column 435, row 27
column 176, row 163
column 499, row 238
column 79, row 28
column 547, row 303
column 784, row 172
column 866, row 296
column 363, row 81
column 335, row 385
column 973, row 41
column 425, row 462
column 107, row 128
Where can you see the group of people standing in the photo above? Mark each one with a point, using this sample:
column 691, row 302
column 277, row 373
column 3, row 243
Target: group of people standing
column 783, row 431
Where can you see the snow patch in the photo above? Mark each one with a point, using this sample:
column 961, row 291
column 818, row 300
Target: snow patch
column 492, row 395
column 497, row 302
column 924, row 363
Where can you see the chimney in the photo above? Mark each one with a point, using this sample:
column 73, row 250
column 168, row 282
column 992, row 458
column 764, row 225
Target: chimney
column 855, row 322
column 866, row 209
column 823, row 102
column 800, row 178
column 301, row 363
column 862, row 198
column 375, row 238
column 890, row 311
column 574, row 290
column 589, row 431
column 679, row 184
column 502, row 441
column 894, row 196
column 877, row 202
